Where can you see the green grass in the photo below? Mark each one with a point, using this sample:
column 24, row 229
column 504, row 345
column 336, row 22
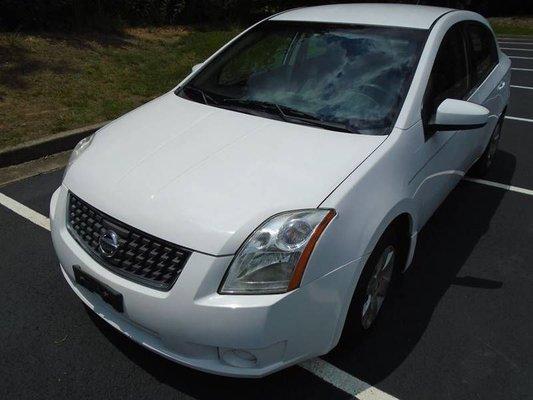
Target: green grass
column 50, row 83
column 512, row 25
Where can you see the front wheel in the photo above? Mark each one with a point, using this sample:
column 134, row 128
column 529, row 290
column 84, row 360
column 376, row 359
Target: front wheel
column 379, row 274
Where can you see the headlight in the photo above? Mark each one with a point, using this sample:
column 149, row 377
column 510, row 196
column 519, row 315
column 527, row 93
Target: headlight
column 82, row 145
column 274, row 257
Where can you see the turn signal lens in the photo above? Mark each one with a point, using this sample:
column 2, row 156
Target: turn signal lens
column 82, row 145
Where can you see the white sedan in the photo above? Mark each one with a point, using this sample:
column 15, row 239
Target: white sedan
column 259, row 212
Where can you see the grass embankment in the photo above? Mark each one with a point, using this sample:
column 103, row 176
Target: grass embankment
column 50, row 83
column 512, row 25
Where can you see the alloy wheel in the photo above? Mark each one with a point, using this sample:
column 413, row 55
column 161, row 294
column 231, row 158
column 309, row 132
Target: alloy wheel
column 377, row 287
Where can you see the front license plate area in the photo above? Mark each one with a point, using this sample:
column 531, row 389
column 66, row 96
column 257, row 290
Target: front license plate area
column 109, row 295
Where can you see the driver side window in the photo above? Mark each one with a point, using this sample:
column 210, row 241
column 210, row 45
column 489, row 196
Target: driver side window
column 449, row 77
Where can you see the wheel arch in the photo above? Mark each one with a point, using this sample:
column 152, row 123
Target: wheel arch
column 404, row 221
column 403, row 224
column 403, row 218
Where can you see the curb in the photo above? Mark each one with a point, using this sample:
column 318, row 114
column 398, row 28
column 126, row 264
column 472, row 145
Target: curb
column 513, row 36
column 52, row 144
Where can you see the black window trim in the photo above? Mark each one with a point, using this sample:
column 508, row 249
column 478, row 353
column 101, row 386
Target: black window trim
column 476, row 85
column 466, row 42
column 427, row 114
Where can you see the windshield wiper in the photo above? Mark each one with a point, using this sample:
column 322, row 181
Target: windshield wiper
column 205, row 96
column 313, row 120
column 285, row 113
column 289, row 114
column 256, row 105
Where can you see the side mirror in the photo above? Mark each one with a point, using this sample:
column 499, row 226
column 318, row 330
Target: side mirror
column 453, row 115
column 196, row 67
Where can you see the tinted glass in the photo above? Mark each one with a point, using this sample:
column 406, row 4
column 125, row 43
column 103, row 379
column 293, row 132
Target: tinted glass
column 483, row 53
column 449, row 76
column 354, row 77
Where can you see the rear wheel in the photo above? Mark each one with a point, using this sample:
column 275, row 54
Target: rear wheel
column 378, row 276
column 482, row 166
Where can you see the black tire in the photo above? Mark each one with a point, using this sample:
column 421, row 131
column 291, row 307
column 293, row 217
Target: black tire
column 354, row 328
column 482, row 166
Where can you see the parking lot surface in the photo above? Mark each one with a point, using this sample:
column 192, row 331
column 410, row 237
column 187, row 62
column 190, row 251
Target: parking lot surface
column 459, row 327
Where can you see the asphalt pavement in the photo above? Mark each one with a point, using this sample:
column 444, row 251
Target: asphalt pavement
column 459, row 327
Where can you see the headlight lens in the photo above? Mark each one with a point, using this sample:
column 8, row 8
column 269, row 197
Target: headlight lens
column 82, row 145
column 274, row 257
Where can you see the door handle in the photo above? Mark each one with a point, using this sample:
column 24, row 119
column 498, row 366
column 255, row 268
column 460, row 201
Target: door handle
column 501, row 85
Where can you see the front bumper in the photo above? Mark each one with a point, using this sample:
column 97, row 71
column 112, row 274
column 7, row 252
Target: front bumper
column 195, row 326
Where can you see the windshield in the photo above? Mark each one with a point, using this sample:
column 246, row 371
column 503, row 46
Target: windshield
column 339, row 77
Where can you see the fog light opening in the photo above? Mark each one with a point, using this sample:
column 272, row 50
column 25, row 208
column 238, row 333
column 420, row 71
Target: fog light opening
column 238, row 358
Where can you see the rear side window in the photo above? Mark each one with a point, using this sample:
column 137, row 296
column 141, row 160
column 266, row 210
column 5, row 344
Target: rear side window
column 483, row 52
column 449, row 77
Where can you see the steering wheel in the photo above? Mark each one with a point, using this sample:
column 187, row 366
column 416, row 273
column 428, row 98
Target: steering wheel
column 374, row 92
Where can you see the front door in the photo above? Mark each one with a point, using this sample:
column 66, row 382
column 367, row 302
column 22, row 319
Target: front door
column 445, row 155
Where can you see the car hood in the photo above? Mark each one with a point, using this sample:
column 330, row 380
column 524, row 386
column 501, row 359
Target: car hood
column 204, row 177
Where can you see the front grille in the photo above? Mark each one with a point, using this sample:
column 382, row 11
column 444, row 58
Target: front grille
column 140, row 257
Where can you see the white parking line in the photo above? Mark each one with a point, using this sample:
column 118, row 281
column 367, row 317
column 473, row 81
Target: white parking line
column 500, row 186
column 322, row 369
column 26, row 212
column 519, row 119
column 344, row 381
column 521, row 87
column 522, row 69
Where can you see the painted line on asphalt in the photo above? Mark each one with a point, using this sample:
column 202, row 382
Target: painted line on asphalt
column 26, row 212
column 519, row 119
column 510, row 188
column 521, row 57
column 344, row 381
column 514, row 48
column 523, row 69
column 521, row 87
column 322, row 369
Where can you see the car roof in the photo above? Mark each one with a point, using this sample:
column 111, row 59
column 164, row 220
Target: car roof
column 397, row 15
